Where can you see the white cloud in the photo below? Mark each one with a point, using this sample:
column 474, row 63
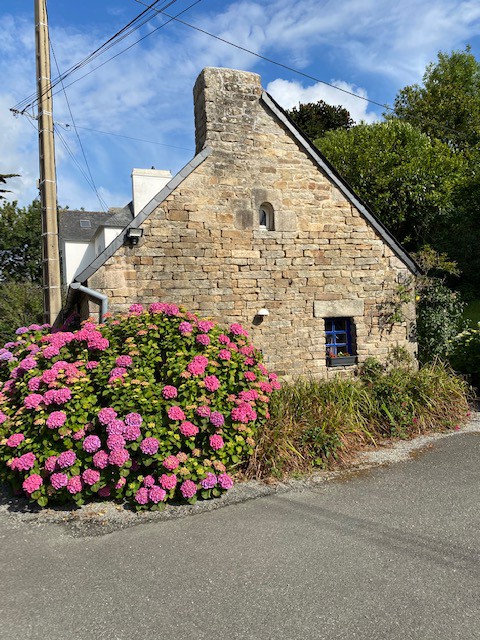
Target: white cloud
column 291, row 93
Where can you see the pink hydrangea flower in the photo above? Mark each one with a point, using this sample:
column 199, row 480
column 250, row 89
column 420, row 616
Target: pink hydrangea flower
column 205, row 325
column 59, row 480
column 56, row 419
column 117, row 373
column 217, row 419
column 133, row 419
column 62, row 395
column 78, row 435
column 132, row 433
column 34, row 383
column 198, row 365
column 32, row 483
column 24, row 463
column 28, row 363
column 91, row 444
column 51, row 463
column 248, row 396
column 135, row 309
column 188, row 489
column 115, row 442
column 115, row 427
column 118, row 457
column 203, row 339
column 212, row 383
column 66, row 459
column 216, row 442
column 250, row 376
column 210, row 481
column 238, row 330
column 169, row 392
column 224, row 354
column 91, row 476
column 148, row 481
column 175, row 413
column 171, row 310
column 49, row 376
column 100, row 459
column 149, row 446
column 74, row 485
column 225, row 481
column 168, row 482
column 203, row 411
column 123, row 361
column 185, row 327
column 157, row 494
column 106, row 415
column 223, row 339
column 121, row 483
column 33, row 401
column 50, row 352
column 188, row 429
column 141, row 497
column 15, row 439
column 266, row 387
column 49, row 397
column 3, row 417
column 170, row 463
column 244, row 413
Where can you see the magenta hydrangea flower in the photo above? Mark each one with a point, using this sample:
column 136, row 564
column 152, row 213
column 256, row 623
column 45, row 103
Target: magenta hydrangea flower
column 56, row 419
column 198, row 365
column 100, row 459
column 141, row 497
column 33, row 401
column 115, row 427
column 123, row 361
column 21, row 330
column 66, row 459
column 212, row 383
column 170, row 463
column 169, row 392
column 3, row 417
column 115, row 442
column 24, row 463
column 185, row 327
column 188, row 489
column 171, row 310
column 92, row 364
column 28, row 363
column 216, row 442
column 250, row 376
column 51, row 464
column 91, row 444
column 225, row 481
column 118, row 457
column 48, row 397
column 244, row 413
column 74, row 485
column 32, row 483
column 188, row 429
column 168, row 482
column 106, row 415
column 248, row 396
column 224, row 354
column 210, row 481
column 132, row 433
column 148, row 481
column 62, row 395
column 59, row 480
column 90, row 476
column 49, row 376
column 135, row 309
column 157, row 494
column 34, row 383
column 217, row 419
column 223, row 339
column 50, row 352
column 266, row 387
column 78, row 435
column 121, row 483
column 203, row 411
column 15, row 439
column 238, row 330
column 203, row 339
column 175, row 413
column 149, row 446
column 133, row 419
column 205, row 325
column 117, row 373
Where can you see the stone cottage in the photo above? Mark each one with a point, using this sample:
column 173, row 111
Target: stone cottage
column 259, row 229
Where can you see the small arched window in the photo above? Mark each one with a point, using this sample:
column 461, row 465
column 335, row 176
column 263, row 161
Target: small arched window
column 266, row 217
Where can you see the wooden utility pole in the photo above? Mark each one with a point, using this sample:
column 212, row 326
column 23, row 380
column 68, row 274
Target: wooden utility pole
column 52, row 293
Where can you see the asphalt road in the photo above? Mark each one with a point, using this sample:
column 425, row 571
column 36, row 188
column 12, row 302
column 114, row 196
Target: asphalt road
column 391, row 553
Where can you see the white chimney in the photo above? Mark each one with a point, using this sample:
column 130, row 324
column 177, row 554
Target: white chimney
column 146, row 183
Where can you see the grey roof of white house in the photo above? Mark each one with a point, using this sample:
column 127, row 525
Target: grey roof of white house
column 81, row 226
column 304, row 143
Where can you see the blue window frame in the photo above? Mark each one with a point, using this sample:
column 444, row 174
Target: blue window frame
column 338, row 336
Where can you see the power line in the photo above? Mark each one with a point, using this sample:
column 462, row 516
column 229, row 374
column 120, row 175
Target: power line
column 102, row 202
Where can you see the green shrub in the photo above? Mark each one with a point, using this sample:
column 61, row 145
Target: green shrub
column 464, row 354
column 148, row 407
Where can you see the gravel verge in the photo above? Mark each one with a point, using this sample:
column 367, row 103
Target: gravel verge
column 100, row 518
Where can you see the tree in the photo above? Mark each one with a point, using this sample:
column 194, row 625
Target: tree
column 20, row 250
column 3, row 180
column 447, row 105
column 21, row 304
column 408, row 179
column 316, row 118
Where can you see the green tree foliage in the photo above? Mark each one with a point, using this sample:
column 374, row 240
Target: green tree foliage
column 404, row 176
column 20, row 305
column 20, row 249
column 316, row 118
column 3, row 180
column 447, row 105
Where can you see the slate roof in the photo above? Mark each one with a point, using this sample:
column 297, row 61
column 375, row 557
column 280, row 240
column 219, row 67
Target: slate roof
column 81, row 226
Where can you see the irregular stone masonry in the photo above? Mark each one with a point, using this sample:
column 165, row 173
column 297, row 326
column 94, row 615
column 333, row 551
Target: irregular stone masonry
column 203, row 248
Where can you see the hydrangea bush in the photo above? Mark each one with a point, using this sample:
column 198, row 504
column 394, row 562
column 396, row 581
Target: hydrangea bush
column 148, row 407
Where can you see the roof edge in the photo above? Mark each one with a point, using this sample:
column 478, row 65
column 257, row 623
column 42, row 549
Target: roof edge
column 147, row 210
column 341, row 183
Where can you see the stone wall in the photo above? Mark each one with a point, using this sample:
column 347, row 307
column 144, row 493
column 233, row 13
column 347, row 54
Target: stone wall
column 203, row 248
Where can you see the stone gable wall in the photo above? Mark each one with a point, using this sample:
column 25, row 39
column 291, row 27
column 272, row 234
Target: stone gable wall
column 202, row 247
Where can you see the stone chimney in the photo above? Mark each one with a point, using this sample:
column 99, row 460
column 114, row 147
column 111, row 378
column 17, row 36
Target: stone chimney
column 146, row 183
column 224, row 102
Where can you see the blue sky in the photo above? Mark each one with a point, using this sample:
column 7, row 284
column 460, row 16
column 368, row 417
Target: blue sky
column 369, row 47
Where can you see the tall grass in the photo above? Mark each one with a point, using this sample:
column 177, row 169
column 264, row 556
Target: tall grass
column 322, row 423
